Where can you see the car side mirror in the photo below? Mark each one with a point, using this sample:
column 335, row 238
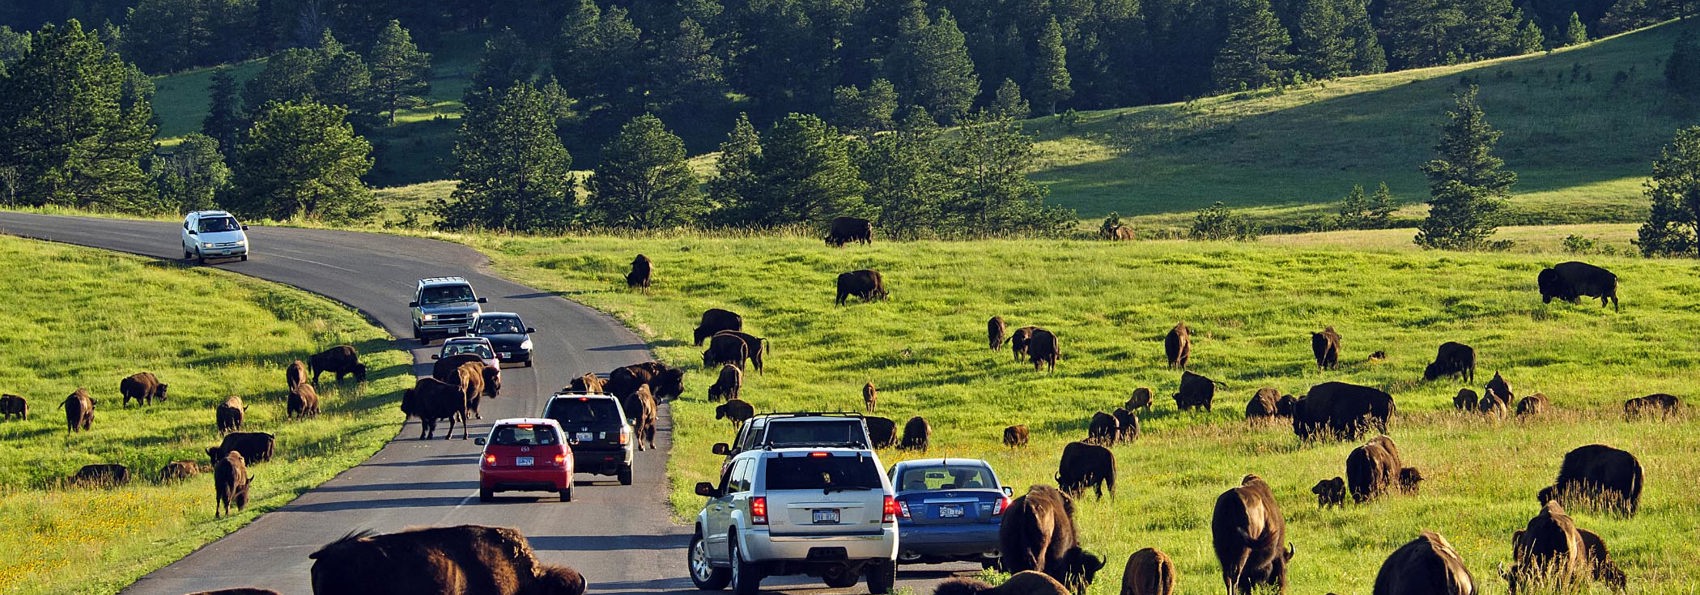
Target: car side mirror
column 721, row 448
column 193, row 233
column 529, row 330
column 483, row 301
column 413, row 304
column 479, row 441
column 707, row 489
column 436, row 356
column 244, row 228
column 1008, row 492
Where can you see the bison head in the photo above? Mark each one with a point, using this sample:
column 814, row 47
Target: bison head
column 1547, row 494
column 409, row 401
column 161, row 393
column 1080, row 569
column 1409, row 477
column 669, row 385
column 359, row 372
column 1550, row 284
column 1433, row 371
column 215, row 453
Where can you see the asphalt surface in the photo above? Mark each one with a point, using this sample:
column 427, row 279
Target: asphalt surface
column 619, row 537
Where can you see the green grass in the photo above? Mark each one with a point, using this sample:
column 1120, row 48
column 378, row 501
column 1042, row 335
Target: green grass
column 1251, row 307
column 88, row 318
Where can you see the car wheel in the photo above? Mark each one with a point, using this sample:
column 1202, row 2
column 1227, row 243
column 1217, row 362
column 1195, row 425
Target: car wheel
column 746, row 579
column 703, row 573
column 842, row 578
column 485, row 495
column 626, row 475
column 528, row 363
column 567, row 494
column 244, row 258
column 882, row 576
column 188, row 255
column 201, row 258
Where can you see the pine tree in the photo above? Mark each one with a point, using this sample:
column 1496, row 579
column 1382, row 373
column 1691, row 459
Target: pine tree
column 1008, row 102
column 514, row 172
column 1365, row 53
column 1574, row 32
column 1381, row 206
column 1673, row 227
column 865, row 111
column 644, row 180
column 685, row 71
column 943, row 77
column 1682, row 69
column 343, row 79
column 906, row 180
column 1320, row 43
column 988, row 160
column 193, row 175
column 1627, row 15
column 733, row 188
column 1352, row 208
column 1051, row 83
column 1254, row 53
column 1486, row 29
column 302, row 159
column 1419, row 33
column 401, row 74
column 224, row 113
column 1467, row 183
column 287, row 76
column 804, row 174
column 1530, row 39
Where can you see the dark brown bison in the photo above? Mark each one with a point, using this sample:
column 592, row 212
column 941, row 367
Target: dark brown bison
column 144, row 387
column 1375, row 468
column 295, row 374
column 1103, row 429
column 715, row 320
column 1141, row 400
column 176, row 470
column 449, row 369
column 1086, row 465
column 639, row 276
column 1018, row 341
column 1501, row 388
column 1249, row 536
column 1453, row 359
column 463, row 559
column 1284, row 406
column 643, row 412
column 1493, row 406
column 1129, row 424
column 1026, row 582
column 341, row 360
column 229, row 414
column 588, row 383
column 870, row 396
column 14, row 406
column 849, row 229
column 1466, row 400
column 1196, row 392
column 1599, row 560
column 1329, row 492
column 79, row 411
column 1340, row 411
column 1534, row 404
column 735, row 410
column 101, row 476
column 1149, row 571
column 665, row 383
column 256, row 447
column 1548, row 550
column 1015, row 435
column 725, row 349
column 1037, row 533
column 866, row 284
column 1661, row 403
column 1177, row 346
column 728, row 385
column 303, row 401
column 1377, row 355
column 1117, row 233
column 1426, row 566
column 431, row 399
column 1597, row 476
column 470, row 378
column 1569, row 281
column 756, row 346
column 883, row 431
column 230, row 483
column 995, row 330
column 917, row 435
column 1326, row 347
column 1043, row 349
column 1263, row 403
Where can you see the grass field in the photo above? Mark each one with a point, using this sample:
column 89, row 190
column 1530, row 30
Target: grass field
column 1251, row 307
column 88, row 318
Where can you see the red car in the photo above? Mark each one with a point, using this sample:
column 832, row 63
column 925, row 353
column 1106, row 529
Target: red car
column 525, row 454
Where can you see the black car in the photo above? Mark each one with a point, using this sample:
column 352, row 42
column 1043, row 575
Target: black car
column 598, row 431
column 508, row 335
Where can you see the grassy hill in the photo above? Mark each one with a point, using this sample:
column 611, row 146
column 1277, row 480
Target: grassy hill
column 1251, row 307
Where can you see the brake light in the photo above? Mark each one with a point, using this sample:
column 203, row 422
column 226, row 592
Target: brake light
column 819, row 455
column 526, row 426
column 625, row 435
column 891, row 510
column 758, row 510
column 583, row 399
column 489, row 459
column 904, row 506
column 1002, row 503
column 560, row 459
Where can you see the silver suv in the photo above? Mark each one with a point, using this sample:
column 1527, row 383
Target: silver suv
column 824, row 512
column 443, row 306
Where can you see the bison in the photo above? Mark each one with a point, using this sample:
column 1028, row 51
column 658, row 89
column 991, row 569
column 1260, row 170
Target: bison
column 79, row 411
column 176, row 470
column 665, row 383
column 303, row 401
column 735, row 410
column 295, row 374
column 431, row 399
column 995, row 330
column 725, row 349
column 1599, row 476
column 1018, row 341
column 1086, row 465
column 1466, row 400
column 643, row 410
column 1104, row 429
column 101, row 476
column 1249, row 536
column 1326, row 347
column 341, row 360
column 715, row 320
column 1284, row 406
column 639, row 276
column 1426, row 566
column 144, row 387
column 1548, row 549
column 448, row 370
column 256, row 447
column 1196, row 392
column 1015, row 435
column 588, row 383
column 1375, row 467
column 229, row 414
column 1534, row 404
column 14, row 406
column 1177, row 346
column 1141, row 400
column 1569, row 281
column 1129, row 424
column 728, row 385
column 1341, row 411
column 870, row 396
column 1329, row 492
column 1494, row 406
column 461, row 559
column 1453, row 359
column 230, row 483
column 1043, row 349
column 843, row 230
column 1038, row 533
column 1117, row 233
column 756, row 346
column 1149, row 571
column 1026, row 582
column 883, row 431
column 1498, row 386
column 866, row 284
column 1262, row 404
column 1599, row 560
column 917, row 435
column 1662, row 403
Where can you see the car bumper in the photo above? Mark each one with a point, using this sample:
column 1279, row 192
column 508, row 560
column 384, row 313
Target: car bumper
column 224, row 252
column 761, row 546
column 964, row 541
column 601, row 462
column 497, row 480
column 514, row 356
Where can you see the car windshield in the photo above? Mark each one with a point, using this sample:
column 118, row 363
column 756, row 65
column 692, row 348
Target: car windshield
column 820, row 473
column 524, row 435
column 217, row 224
column 582, row 410
column 942, row 477
column 498, row 325
column 482, row 350
column 447, row 294
column 816, row 432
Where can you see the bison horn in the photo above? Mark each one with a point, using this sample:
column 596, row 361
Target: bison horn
column 1291, row 550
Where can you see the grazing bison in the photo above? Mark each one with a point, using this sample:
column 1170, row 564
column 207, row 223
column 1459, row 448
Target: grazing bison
column 1043, row 349
column 230, row 483
column 849, row 229
column 1038, row 533
column 728, row 385
column 1249, row 536
column 431, row 399
column 176, row 470
column 1129, row 424
column 1262, row 404
column 1498, row 386
column 1103, row 429
column 1375, row 467
column 1177, row 346
column 1018, row 341
column 1549, row 550
column 1015, row 435
column 665, row 383
column 1340, row 411
column 1140, row 400
column 256, row 447
column 295, row 374
column 1466, row 400
column 643, row 411
column 1117, row 233
column 588, row 383
column 870, row 396
column 1026, row 582
column 101, row 476
column 303, row 401
column 1599, row 559
column 715, row 320
column 1453, row 359
column 1493, row 406
column 639, row 276
column 1597, row 476
column 229, row 414
column 1196, row 391
column 1326, row 347
column 341, row 360
column 1426, row 566
column 1329, row 492
column 1149, row 571
column 1662, row 403
column 1086, row 465
column 866, row 284
column 463, row 559
column 995, row 330
column 79, row 411
column 756, row 346
column 725, row 349
column 1534, row 404
column 735, row 410
column 881, row 430
column 917, row 435
column 1284, row 406
column 14, row 406
column 1569, row 281
column 144, row 387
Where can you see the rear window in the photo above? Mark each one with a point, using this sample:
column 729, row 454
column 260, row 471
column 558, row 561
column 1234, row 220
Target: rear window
column 819, row 473
column 524, row 435
column 835, row 432
column 584, row 411
column 945, row 478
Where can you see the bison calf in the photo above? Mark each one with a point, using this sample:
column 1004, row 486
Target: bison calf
column 341, row 360
column 735, row 410
column 1141, row 400
column 176, row 470
column 1326, row 347
column 870, row 396
column 917, row 435
column 14, row 406
column 1329, row 492
column 728, row 385
column 1015, row 435
column 303, row 401
column 1148, row 572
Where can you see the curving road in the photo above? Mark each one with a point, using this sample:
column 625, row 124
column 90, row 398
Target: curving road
column 619, row 537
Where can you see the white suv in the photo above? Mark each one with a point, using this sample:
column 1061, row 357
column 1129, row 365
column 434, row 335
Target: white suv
column 825, row 512
column 213, row 234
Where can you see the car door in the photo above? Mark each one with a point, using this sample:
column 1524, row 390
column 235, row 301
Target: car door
column 717, row 513
column 188, row 226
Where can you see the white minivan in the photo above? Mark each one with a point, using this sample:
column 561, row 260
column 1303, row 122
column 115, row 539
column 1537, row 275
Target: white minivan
column 213, row 234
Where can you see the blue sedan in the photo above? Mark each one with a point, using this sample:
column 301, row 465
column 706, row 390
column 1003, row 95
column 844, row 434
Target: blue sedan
column 950, row 510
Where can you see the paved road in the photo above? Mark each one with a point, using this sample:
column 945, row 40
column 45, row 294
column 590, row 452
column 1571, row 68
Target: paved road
column 618, row 536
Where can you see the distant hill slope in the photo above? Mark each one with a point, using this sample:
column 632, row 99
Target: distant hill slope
column 1582, row 126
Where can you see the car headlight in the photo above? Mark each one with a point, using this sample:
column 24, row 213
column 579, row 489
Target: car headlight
column 208, row 244
column 525, row 345
column 428, row 317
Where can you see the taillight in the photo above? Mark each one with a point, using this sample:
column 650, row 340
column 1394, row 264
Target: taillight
column 490, row 460
column 625, row 435
column 904, row 506
column 560, row 460
column 758, row 509
column 997, row 509
column 891, row 510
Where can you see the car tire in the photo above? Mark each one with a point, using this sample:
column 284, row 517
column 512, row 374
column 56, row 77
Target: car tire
column 244, row 258
column 201, row 258
column 844, row 580
column 485, row 495
column 882, row 577
column 188, row 255
column 528, row 363
column 567, row 494
column 746, row 578
column 703, row 573
column 626, row 475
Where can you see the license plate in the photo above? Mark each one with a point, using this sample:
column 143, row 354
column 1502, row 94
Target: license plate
column 504, row 355
column 524, row 461
column 586, row 436
column 950, row 511
column 826, row 516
